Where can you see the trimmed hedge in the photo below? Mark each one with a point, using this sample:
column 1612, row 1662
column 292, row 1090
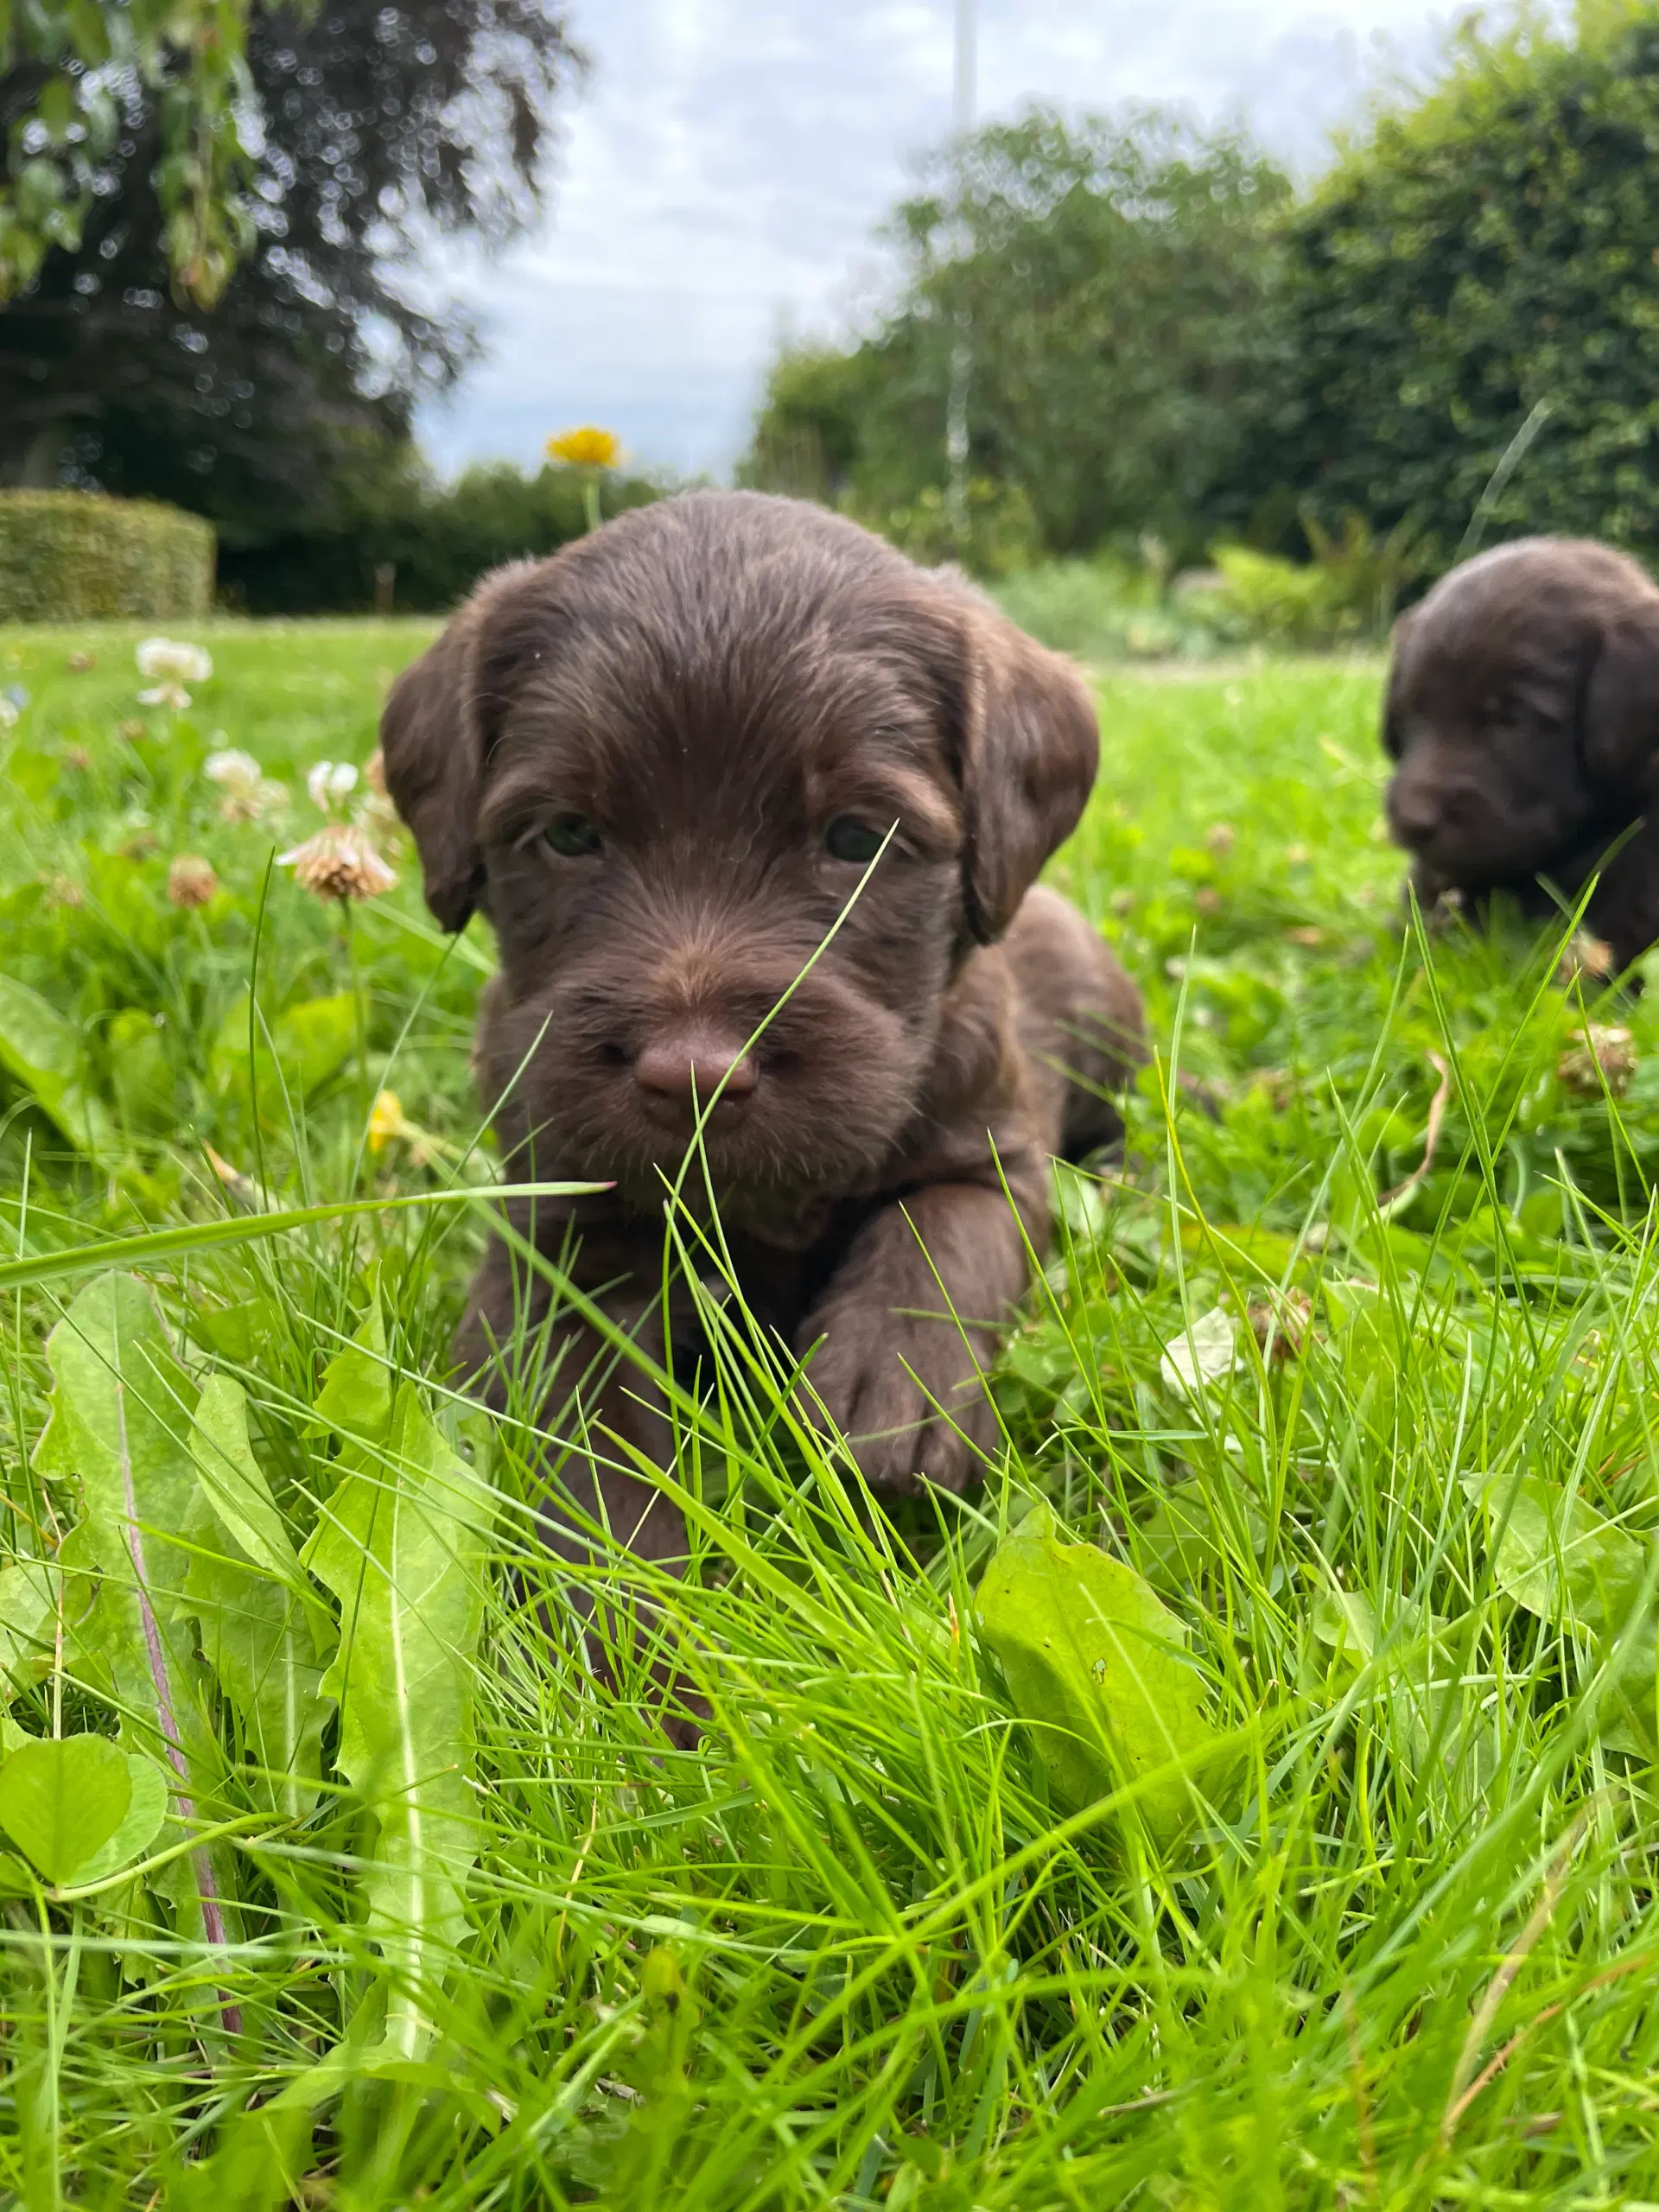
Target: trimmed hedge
column 71, row 556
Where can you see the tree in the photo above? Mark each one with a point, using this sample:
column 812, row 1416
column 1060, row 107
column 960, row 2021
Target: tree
column 67, row 70
column 1481, row 263
column 381, row 127
column 1113, row 278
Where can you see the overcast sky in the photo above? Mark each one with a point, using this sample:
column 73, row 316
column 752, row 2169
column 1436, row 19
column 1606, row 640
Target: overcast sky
column 724, row 166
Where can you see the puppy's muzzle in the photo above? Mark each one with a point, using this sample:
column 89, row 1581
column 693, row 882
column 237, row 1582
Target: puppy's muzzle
column 1418, row 814
column 682, row 1067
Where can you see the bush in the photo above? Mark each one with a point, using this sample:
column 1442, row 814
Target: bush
column 1487, row 259
column 999, row 538
column 71, row 557
column 395, row 540
column 1110, row 609
column 1106, row 610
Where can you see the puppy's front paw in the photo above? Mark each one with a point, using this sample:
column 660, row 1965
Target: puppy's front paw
column 907, row 1394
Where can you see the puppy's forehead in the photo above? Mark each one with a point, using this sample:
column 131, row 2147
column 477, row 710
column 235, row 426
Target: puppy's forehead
column 758, row 675
column 1477, row 647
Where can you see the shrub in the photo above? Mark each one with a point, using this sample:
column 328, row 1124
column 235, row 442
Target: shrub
column 395, row 540
column 1105, row 609
column 1487, row 258
column 71, row 557
column 1345, row 595
column 1000, row 536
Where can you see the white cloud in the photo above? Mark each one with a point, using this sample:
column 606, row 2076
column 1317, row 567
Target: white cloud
column 724, row 171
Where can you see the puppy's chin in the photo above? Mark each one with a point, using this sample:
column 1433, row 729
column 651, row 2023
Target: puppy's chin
column 1501, row 850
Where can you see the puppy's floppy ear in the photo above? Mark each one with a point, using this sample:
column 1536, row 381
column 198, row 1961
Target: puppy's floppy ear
column 1619, row 726
column 435, row 730
column 1030, row 746
column 1393, row 742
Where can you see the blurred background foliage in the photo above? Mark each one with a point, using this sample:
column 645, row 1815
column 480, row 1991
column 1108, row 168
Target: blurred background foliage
column 1207, row 405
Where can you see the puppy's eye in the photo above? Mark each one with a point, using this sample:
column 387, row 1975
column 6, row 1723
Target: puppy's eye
column 849, row 839
column 572, row 836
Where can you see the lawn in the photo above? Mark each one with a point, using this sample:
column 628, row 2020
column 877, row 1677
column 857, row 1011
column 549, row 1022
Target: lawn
column 1353, row 1384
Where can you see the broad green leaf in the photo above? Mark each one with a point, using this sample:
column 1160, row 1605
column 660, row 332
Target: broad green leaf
column 139, row 1073
column 1347, row 1622
column 296, row 1055
column 265, row 1633
column 119, row 1433
column 1562, row 1559
column 146, row 1812
column 401, row 1543
column 62, row 1800
column 234, row 1484
column 44, row 1052
column 355, row 1400
column 1182, row 1538
column 1096, row 1667
column 28, row 1615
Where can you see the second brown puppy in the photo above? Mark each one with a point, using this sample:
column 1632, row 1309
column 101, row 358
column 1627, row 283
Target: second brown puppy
column 1522, row 716
column 755, row 808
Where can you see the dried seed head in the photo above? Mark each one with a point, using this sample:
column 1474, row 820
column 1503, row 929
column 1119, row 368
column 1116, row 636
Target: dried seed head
column 1600, row 1059
column 191, row 881
column 1586, row 955
column 1282, row 1324
column 1221, row 838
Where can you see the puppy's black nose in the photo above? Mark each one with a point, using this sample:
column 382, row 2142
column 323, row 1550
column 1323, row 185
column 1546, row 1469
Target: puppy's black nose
column 680, row 1071
column 1415, row 816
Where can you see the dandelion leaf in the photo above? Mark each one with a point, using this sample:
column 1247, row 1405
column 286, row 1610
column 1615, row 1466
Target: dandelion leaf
column 45, row 1053
column 1559, row 1558
column 118, row 1434
column 1097, row 1669
column 401, row 1544
column 266, row 1637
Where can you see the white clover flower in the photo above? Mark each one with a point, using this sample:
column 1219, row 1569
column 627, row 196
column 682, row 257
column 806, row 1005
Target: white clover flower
column 329, row 782
column 165, row 694
column 169, row 658
column 8, row 713
column 339, row 862
column 237, row 772
column 248, row 796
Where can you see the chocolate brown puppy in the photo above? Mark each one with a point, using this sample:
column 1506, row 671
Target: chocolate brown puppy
column 754, row 807
column 1523, row 712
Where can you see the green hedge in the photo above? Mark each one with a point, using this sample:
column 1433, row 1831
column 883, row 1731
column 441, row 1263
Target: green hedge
column 70, row 556
column 416, row 546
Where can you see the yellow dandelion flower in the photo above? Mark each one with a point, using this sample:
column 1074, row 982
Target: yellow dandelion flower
column 386, row 1123
column 587, row 447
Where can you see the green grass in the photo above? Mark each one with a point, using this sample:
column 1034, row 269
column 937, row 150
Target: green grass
column 848, row 1952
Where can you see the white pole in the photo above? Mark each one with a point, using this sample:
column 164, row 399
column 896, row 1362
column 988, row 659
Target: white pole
column 956, row 405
